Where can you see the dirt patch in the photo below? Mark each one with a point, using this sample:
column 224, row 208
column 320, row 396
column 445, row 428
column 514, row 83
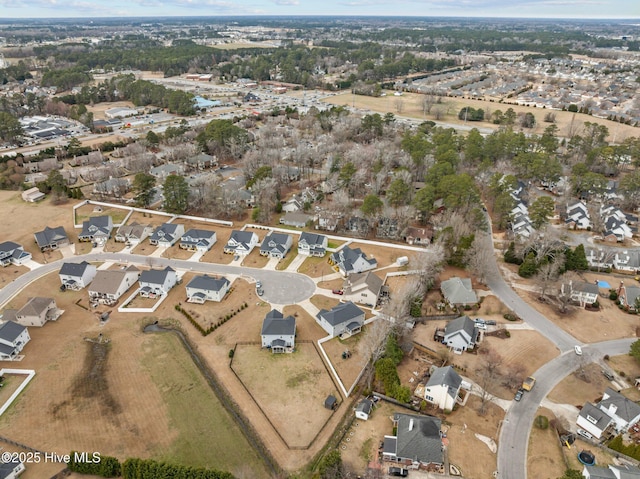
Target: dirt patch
column 545, row 458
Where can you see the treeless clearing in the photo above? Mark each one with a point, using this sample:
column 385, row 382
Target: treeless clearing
column 216, row 254
column 306, row 327
column 384, row 256
column 315, row 267
column 625, row 364
column 290, row 388
column 324, row 302
column 255, row 259
column 348, row 369
column 545, row 457
column 581, row 386
column 99, row 108
column 603, row 458
column 331, row 285
column 85, row 212
column 412, row 108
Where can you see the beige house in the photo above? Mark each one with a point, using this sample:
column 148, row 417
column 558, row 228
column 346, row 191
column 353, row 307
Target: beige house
column 32, row 195
column 35, row 312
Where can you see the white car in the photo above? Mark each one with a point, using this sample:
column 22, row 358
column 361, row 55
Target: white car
column 578, row 350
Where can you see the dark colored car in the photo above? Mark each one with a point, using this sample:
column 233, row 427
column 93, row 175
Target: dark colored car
column 398, row 472
column 519, row 394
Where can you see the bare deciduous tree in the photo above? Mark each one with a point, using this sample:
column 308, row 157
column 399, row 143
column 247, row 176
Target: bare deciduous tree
column 547, row 276
column 428, row 265
column 372, row 344
column 564, row 291
column 488, row 377
column 479, row 257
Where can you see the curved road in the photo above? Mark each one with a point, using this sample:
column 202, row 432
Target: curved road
column 280, row 287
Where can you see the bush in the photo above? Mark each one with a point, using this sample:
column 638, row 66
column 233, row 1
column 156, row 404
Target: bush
column 510, row 317
column 507, row 333
column 231, row 353
column 613, row 295
column 541, row 422
column 82, row 463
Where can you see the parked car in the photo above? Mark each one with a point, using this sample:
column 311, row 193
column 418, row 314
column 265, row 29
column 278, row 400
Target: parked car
column 481, row 326
column 490, row 322
column 519, row 394
column 337, row 291
column 258, row 284
column 578, row 350
column 398, row 472
column 260, row 292
column 607, row 375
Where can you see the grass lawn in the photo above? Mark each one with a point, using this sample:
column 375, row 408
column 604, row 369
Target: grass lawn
column 196, row 413
column 324, row 302
column 85, row 212
column 284, row 264
column 315, row 267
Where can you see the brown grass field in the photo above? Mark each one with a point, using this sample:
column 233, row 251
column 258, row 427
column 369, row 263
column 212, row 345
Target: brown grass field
column 411, row 106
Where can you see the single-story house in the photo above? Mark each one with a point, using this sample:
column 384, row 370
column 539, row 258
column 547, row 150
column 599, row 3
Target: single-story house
column 343, row 320
column 461, row 334
column 75, row 276
column 156, row 282
column 35, row 312
column 278, row 333
column 13, row 338
column 349, row 260
column 298, row 220
column 241, row 242
column 166, row 235
column 11, row 469
column 363, row 409
column 13, row 253
column 32, row 195
column 207, row 288
column 443, row 387
column 133, row 234
column 363, row 288
column 97, row 229
column 198, row 240
column 458, row 292
column 418, row 236
column 51, row 238
column 311, row 244
column 276, row 245
column 417, row 442
column 109, row 285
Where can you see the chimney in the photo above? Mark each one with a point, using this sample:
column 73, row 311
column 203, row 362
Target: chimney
column 411, row 424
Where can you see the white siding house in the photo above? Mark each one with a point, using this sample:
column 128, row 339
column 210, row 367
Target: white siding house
column 76, row 276
column 207, row 288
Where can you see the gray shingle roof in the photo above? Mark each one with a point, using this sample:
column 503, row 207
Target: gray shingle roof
column 463, row 323
column 365, row 406
column 583, row 287
column 626, row 408
column 311, row 239
column 74, row 269
column 50, row 235
column 458, row 291
column 601, row 417
column 275, row 324
column 347, row 257
column 6, row 468
column 165, row 230
column 596, row 472
column 446, row 376
column 155, row 276
column 198, row 234
column 208, row 283
column 9, row 246
column 343, row 313
column 35, row 306
column 418, row 438
column 9, row 331
column 275, row 241
column 626, row 472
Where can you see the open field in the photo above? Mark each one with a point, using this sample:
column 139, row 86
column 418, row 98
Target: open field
column 545, row 459
column 99, row 109
column 290, row 389
column 86, row 211
column 411, row 106
column 133, row 390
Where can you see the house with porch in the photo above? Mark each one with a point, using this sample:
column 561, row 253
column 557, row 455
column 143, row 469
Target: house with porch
column 577, row 216
column 109, row 285
column 207, row 288
column 97, row 229
column 157, row 282
column 348, row 261
column 50, row 239
column 166, row 235
column 443, row 388
column 276, row 245
column 461, row 334
column 13, row 253
column 458, row 292
column 198, row 240
column 278, row 333
column 311, row 244
column 417, row 443
column 344, row 320
column 13, row 338
column 580, row 292
column 241, row 242
column 75, row 276
column 133, row 234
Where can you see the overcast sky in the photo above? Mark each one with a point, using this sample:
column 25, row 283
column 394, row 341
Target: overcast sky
column 458, row 8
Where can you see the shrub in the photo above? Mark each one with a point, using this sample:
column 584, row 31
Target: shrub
column 510, row 317
column 507, row 333
column 231, row 353
column 541, row 422
column 613, row 295
column 606, row 357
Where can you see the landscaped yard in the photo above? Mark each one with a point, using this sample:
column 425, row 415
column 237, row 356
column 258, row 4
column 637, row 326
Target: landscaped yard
column 290, row 388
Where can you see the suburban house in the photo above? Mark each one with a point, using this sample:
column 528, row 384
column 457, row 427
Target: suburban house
column 363, row 288
column 293, row 205
column 13, row 253
column 298, row 220
column 51, row 238
column 461, row 334
column 13, row 338
column 616, row 228
column 327, row 221
column 628, row 296
column 11, row 469
column 578, row 216
column 32, row 195
column 349, row 261
column 418, row 236
column 241, row 242
column 133, row 234
column 96, row 228
column 166, row 235
column 628, row 261
column 109, row 285
column 612, row 472
column 276, row 245
column 363, row 409
column 519, row 221
column 458, row 292
column 112, row 187
column 593, row 421
column 75, row 276
column 163, row 171
column 623, row 411
column 201, row 161
column 358, row 225
column 344, row 320
column 35, row 312
column 312, row 244
column 582, row 293
column 604, row 258
column 198, row 240
column 443, row 387
column 278, row 333
column 207, row 288
column 156, row 282
column 417, row 443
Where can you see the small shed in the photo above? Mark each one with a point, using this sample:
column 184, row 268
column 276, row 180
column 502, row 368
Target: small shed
column 363, row 409
column 331, row 402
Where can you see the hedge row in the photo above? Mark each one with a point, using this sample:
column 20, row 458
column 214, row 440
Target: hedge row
column 212, row 328
column 83, row 463
column 150, row 469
